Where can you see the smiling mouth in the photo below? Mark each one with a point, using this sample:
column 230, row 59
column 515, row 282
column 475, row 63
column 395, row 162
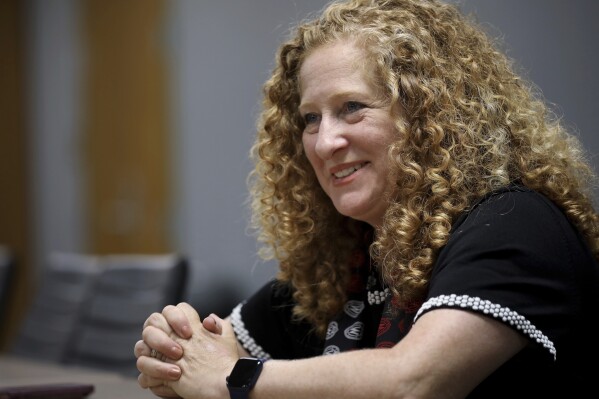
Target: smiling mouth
column 348, row 171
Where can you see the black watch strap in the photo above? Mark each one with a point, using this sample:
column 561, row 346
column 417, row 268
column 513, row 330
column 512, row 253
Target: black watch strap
column 241, row 394
column 244, row 376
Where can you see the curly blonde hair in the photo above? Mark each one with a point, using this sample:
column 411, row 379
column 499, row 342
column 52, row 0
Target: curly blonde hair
column 470, row 126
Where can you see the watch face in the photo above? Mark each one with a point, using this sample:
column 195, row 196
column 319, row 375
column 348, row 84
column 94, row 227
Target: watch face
column 244, row 372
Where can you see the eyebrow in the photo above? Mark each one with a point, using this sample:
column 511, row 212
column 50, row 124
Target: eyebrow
column 341, row 95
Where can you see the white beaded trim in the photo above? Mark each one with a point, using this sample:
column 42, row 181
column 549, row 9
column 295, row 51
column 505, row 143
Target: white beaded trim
column 496, row 311
column 378, row 297
column 244, row 337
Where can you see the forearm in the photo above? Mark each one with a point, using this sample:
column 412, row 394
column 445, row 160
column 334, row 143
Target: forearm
column 356, row 374
column 447, row 354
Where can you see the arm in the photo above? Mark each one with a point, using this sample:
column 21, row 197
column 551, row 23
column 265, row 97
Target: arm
column 445, row 355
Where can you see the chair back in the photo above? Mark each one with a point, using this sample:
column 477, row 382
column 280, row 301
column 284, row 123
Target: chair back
column 89, row 309
column 128, row 290
column 65, row 287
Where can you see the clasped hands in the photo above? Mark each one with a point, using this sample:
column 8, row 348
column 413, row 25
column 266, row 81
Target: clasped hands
column 195, row 355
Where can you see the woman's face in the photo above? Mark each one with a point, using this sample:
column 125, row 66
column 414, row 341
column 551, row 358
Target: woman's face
column 348, row 130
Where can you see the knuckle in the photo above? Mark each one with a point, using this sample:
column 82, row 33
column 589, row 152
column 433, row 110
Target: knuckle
column 141, row 381
column 156, row 318
column 146, row 333
column 167, row 308
column 158, row 391
column 138, row 348
column 152, row 320
column 139, row 363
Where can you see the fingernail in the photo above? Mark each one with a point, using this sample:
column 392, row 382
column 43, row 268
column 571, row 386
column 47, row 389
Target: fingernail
column 174, row 372
column 177, row 352
column 186, row 331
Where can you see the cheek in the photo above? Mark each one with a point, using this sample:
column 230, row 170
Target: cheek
column 309, row 144
column 386, row 136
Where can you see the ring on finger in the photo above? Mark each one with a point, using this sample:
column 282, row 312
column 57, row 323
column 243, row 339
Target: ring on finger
column 157, row 355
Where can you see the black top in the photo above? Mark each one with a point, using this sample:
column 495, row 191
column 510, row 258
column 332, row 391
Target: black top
column 513, row 257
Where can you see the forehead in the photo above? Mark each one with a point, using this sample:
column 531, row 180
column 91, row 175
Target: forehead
column 341, row 62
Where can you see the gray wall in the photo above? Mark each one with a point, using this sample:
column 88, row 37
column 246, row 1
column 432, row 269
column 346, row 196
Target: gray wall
column 221, row 52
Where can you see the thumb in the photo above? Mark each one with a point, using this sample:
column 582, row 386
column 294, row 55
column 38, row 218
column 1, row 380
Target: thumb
column 211, row 324
column 225, row 326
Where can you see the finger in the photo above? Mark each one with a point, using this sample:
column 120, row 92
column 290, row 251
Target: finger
column 151, row 369
column 145, row 381
column 157, row 386
column 190, row 312
column 156, row 338
column 226, row 328
column 178, row 320
column 165, row 392
column 159, row 321
column 141, row 349
column 211, row 324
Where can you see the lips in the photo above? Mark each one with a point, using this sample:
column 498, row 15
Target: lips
column 348, row 171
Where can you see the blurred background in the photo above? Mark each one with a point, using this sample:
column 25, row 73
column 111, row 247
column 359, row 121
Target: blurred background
column 125, row 125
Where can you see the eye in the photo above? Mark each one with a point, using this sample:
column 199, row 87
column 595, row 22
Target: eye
column 352, row 106
column 311, row 122
column 311, row 118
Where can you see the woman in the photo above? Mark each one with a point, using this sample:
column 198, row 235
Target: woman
column 423, row 207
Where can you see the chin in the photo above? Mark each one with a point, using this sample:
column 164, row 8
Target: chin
column 352, row 212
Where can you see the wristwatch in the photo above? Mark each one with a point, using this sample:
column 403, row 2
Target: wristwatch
column 243, row 377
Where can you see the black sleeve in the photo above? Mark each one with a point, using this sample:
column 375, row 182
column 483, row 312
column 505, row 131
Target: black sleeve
column 264, row 326
column 516, row 258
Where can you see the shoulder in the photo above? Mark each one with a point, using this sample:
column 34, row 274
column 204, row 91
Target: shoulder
column 521, row 220
column 516, row 257
column 514, row 205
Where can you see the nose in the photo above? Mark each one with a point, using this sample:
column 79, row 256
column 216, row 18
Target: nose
column 331, row 137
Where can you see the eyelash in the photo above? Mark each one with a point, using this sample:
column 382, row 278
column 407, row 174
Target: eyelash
column 353, row 103
column 311, row 117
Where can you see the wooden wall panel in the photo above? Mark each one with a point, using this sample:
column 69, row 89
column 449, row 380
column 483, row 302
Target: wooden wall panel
column 126, row 129
column 14, row 200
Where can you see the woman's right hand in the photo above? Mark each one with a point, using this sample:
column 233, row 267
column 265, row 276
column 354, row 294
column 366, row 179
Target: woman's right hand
column 159, row 329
